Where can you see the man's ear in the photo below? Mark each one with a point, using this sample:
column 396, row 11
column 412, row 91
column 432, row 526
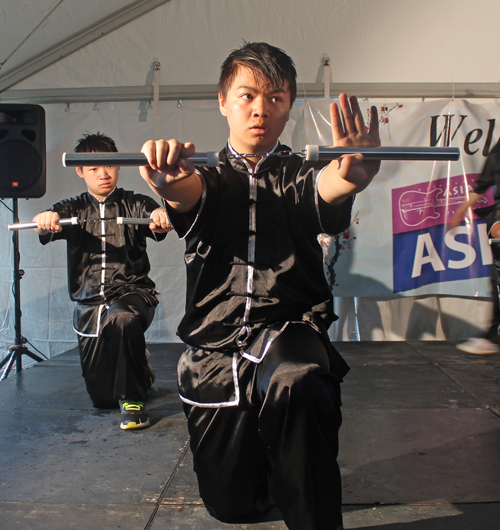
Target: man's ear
column 222, row 105
column 79, row 172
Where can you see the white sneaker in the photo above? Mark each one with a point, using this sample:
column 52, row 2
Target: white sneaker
column 478, row 346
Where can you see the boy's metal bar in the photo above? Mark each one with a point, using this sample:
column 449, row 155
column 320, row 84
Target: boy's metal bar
column 24, row 226
column 313, row 153
column 75, row 221
column 133, row 221
column 210, row 159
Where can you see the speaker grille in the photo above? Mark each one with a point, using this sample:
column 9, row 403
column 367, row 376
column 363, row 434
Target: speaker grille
column 22, row 151
column 21, row 165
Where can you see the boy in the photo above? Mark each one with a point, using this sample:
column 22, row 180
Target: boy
column 260, row 378
column 108, row 279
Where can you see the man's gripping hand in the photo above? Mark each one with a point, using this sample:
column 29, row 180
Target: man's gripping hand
column 170, row 174
column 168, row 162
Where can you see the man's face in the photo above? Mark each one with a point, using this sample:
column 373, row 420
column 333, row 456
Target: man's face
column 256, row 113
column 100, row 180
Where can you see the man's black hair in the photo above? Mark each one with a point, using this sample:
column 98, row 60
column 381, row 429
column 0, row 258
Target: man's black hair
column 263, row 60
column 95, row 143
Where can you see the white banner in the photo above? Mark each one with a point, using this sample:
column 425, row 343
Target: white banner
column 400, row 242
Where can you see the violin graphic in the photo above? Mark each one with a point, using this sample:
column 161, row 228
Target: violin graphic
column 415, row 207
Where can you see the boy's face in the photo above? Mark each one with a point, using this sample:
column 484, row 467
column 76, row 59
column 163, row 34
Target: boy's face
column 101, row 180
column 255, row 112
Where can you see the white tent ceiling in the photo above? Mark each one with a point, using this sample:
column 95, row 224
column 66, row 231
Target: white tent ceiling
column 70, row 50
column 37, row 34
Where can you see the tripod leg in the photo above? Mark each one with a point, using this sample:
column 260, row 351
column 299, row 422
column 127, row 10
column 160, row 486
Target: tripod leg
column 10, row 360
column 16, row 353
column 18, row 350
column 34, row 356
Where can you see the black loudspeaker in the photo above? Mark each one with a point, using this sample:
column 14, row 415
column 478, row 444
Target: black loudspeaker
column 22, row 151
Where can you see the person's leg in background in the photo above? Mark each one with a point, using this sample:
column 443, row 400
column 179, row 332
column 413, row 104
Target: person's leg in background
column 115, row 365
column 487, row 344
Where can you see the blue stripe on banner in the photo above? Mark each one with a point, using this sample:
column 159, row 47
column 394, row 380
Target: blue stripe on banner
column 438, row 254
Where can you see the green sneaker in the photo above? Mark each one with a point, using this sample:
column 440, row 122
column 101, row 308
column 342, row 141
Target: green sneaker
column 133, row 415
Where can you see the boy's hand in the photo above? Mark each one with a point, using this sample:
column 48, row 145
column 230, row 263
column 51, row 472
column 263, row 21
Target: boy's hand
column 161, row 223
column 350, row 174
column 168, row 162
column 47, row 222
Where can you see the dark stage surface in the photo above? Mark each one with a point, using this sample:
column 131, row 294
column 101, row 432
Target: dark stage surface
column 420, row 447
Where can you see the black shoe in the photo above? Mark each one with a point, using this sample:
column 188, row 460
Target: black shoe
column 134, row 415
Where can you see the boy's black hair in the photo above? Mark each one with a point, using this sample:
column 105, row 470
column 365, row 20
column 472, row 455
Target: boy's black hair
column 95, row 143
column 264, row 60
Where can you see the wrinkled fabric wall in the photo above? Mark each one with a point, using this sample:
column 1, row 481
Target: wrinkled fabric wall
column 46, row 308
column 382, row 41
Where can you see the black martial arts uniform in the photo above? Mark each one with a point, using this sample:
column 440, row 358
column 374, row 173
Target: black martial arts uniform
column 490, row 178
column 493, row 219
column 108, row 277
column 260, row 378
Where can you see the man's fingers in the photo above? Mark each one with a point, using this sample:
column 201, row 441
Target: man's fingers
column 359, row 122
column 337, row 125
column 150, row 150
column 347, row 118
column 171, row 156
column 347, row 113
column 374, row 123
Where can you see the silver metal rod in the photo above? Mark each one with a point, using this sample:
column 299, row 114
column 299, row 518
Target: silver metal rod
column 210, row 158
column 24, row 226
column 75, row 221
column 133, row 221
column 314, row 153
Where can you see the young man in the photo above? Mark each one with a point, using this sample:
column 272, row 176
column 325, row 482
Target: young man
column 260, row 380
column 108, row 278
column 489, row 178
column 493, row 227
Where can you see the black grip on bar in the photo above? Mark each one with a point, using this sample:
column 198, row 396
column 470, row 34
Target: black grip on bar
column 314, row 153
column 209, row 158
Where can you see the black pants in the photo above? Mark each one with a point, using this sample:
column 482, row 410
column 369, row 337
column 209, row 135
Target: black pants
column 282, row 448
column 492, row 333
column 114, row 364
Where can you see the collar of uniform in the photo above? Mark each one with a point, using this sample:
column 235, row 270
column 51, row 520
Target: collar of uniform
column 240, row 163
column 105, row 198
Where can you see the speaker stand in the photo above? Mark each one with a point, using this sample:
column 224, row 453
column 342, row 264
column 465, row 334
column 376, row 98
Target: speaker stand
column 19, row 349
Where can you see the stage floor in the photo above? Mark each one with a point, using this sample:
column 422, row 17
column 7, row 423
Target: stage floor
column 420, row 447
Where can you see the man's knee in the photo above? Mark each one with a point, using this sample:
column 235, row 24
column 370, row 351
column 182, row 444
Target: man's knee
column 236, row 508
column 302, row 400
column 305, row 385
